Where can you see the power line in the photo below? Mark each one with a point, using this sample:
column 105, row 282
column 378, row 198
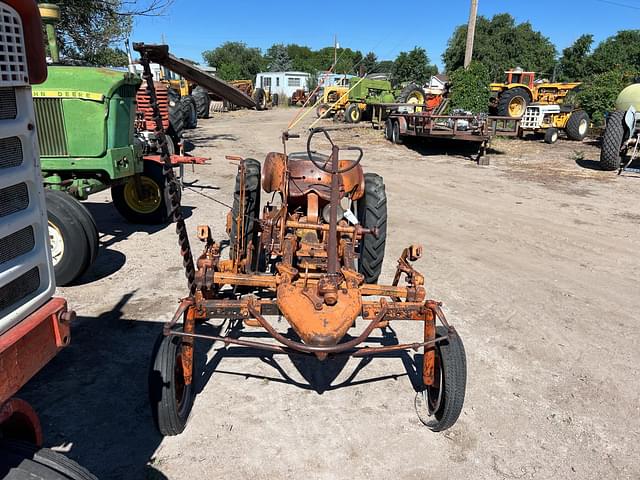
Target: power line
column 618, row 4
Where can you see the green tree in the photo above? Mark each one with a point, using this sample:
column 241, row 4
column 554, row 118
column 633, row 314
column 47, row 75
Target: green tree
column 385, row 66
column 574, row 59
column 235, row 61
column 370, row 62
column 277, row 58
column 413, row 66
column 621, row 51
column 93, row 31
column 598, row 95
column 470, row 88
column 501, row 44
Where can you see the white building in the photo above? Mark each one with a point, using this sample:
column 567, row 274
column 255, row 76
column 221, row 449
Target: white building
column 283, row 83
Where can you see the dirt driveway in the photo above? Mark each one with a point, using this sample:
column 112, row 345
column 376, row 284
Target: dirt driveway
column 536, row 258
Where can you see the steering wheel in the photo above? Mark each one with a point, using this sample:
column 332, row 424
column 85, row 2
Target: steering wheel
column 323, row 166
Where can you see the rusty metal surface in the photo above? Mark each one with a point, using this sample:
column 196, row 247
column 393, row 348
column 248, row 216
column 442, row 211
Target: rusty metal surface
column 160, row 54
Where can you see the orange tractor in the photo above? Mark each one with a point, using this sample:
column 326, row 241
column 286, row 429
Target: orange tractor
column 313, row 256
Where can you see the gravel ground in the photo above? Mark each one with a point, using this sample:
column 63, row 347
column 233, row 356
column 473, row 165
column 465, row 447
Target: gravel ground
column 535, row 258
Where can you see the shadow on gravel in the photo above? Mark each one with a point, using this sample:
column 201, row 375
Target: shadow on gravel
column 319, row 375
column 92, row 398
column 440, row 146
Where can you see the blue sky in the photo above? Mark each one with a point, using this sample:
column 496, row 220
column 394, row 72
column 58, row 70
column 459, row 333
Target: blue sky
column 193, row 26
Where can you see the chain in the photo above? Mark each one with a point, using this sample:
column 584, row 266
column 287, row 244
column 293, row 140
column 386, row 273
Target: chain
column 167, row 170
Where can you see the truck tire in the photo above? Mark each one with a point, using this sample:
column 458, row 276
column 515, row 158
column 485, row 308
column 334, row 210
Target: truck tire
column 151, row 210
column 578, row 125
column 19, row 460
column 353, row 114
column 372, row 213
column 203, row 102
column 252, row 205
column 191, row 112
column 513, row 102
column 73, row 241
column 260, row 97
column 612, row 140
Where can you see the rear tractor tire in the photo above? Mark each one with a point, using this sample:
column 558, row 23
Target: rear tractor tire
column 203, row 102
column 152, row 208
column 251, row 207
column 578, row 125
column 260, row 97
column 372, row 213
column 73, row 236
column 20, row 460
column 413, row 94
column 439, row 406
column 513, row 102
column 170, row 398
column 191, row 112
column 612, row 141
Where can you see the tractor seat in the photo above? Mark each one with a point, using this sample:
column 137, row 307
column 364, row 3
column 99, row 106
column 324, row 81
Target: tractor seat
column 318, row 157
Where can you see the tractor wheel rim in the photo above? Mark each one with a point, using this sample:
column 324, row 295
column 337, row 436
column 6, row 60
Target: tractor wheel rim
column 582, row 128
column 554, row 137
column 56, row 241
column 151, row 200
column 516, row 107
column 354, row 115
column 178, row 382
column 433, row 394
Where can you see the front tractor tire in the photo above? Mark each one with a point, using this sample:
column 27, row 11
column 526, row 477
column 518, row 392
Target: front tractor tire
column 372, row 213
column 353, row 114
column 513, row 102
column 439, row 406
column 551, row 135
column 150, row 208
column 73, row 236
column 170, row 398
column 612, row 141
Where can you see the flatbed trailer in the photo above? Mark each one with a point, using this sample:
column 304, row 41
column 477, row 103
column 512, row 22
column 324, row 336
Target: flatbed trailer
column 426, row 124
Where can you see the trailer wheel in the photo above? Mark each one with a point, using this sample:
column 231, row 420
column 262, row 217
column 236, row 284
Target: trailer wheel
column 260, row 97
column 171, row 399
column 439, row 406
column 152, row 208
column 372, row 213
column 612, row 140
column 252, row 205
column 551, row 135
column 203, row 102
column 395, row 133
column 353, row 114
column 578, row 125
column 73, row 238
column 513, row 102
column 19, row 460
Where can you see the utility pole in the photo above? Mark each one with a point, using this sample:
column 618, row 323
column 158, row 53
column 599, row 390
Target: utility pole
column 471, row 33
column 335, row 50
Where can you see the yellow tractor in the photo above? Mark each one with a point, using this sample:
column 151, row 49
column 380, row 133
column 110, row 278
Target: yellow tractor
column 550, row 120
column 510, row 99
column 331, row 95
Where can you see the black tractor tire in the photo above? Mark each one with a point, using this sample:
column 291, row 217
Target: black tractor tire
column 203, row 102
column 275, row 99
column 388, row 129
column 510, row 95
column 612, row 140
column 170, row 399
column 74, row 238
column 150, row 212
column 577, row 126
column 353, row 114
column 395, row 133
column 176, row 117
column 21, row 461
column 551, row 135
column 451, row 369
column 411, row 92
column 252, row 205
column 260, row 97
column 191, row 112
column 372, row 213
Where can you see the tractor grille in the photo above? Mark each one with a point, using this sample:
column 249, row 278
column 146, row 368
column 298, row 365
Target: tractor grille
column 144, row 106
column 8, row 105
column 13, row 61
column 51, row 130
column 13, row 199
column 10, row 152
column 127, row 91
column 20, row 288
column 16, row 244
